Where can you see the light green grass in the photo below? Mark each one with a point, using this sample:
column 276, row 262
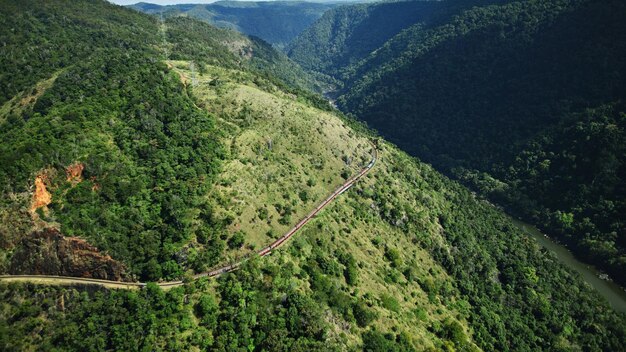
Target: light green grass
column 280, row 152
column 277, row 147
column 26, row 99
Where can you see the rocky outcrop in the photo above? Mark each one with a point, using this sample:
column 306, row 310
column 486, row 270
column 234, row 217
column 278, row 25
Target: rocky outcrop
column 48, row 252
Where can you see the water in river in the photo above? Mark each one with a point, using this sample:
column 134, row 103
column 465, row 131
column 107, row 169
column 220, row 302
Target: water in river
column 607, row 289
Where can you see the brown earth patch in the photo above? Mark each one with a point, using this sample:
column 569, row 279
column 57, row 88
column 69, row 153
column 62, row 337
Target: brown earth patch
column 41, row 197
column 96, row 185
column 32, row 98
column 48, row 252
column 74, row 172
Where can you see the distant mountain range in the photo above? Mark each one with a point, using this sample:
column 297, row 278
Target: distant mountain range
column 276, row 22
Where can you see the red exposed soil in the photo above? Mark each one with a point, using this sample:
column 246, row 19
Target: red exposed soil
column 41, row 197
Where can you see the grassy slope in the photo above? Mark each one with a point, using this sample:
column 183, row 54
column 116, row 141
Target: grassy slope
column 434, row 267
column 279, row 151
column 311, row 145
column 401, row 206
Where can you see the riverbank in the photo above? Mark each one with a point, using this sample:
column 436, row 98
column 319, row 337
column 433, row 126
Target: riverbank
column 613, row 293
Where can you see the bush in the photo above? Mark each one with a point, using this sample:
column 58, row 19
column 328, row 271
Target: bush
column 237, row 240
column 390, row 303
column 363, row 314
column 392, row 255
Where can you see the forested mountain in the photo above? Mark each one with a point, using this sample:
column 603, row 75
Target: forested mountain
column 137, row 150
column 95, row 89
column 277, row 22
column 523, row 100
column 347, row 34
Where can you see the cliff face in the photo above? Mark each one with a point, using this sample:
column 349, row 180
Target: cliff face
column 47, row 252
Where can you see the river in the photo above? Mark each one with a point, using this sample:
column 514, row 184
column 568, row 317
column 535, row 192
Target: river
column 612, row 292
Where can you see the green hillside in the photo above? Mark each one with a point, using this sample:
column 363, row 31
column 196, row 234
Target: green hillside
column 97, row 92
column 277, row 22
column 406, row 261
column 522, row 100
column 164, row 154
column 347, row 34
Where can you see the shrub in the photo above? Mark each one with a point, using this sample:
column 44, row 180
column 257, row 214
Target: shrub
column 390, row 303
column 237, row 240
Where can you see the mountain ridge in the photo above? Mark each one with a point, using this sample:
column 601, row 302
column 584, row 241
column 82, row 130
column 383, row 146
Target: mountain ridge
column 276, row 22
column 482, row 93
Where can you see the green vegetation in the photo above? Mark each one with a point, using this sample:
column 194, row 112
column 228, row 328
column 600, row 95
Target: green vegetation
column 487, row 286
column 121, row 142
column 276, row 144
column 242, row 313
column 496, row 260
column 190, row 39
column 200, row 159
column 522, row 100
column 276, row 22
column 117, row 121
column 111, row 104
column 347, row 34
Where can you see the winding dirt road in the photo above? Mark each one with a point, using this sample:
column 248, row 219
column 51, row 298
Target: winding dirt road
column 66, row 280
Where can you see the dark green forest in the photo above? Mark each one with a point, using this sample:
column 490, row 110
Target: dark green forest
column 347, row 34
column 521, row 100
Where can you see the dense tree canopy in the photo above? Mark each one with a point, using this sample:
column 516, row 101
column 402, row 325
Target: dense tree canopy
column 491, row 94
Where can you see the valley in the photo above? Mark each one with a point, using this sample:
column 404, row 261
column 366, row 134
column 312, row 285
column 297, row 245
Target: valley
column 277, row 22
column 145, row 158
column 522, row 101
